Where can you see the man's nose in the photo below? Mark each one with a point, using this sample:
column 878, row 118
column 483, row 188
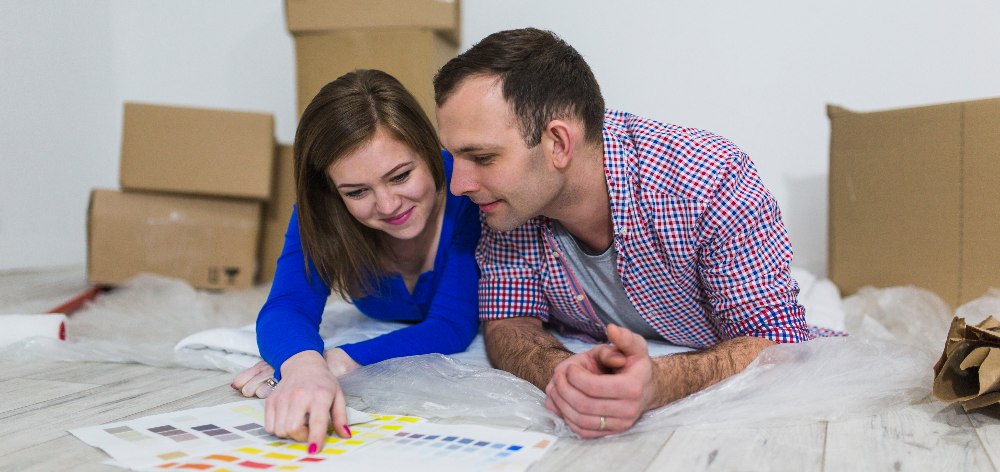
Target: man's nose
column 463, row 178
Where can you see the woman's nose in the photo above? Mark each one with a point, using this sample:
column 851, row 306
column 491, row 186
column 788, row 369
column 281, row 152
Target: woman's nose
column 386, row 202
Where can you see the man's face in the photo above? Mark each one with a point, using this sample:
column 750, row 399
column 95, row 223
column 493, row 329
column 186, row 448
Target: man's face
column 494, row 167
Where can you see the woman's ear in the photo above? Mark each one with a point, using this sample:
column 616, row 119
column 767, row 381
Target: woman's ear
column 558, row 142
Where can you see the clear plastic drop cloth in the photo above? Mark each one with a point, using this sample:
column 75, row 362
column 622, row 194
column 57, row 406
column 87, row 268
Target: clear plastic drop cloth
column 141, row 321
column 887, row 363
column 896, row 335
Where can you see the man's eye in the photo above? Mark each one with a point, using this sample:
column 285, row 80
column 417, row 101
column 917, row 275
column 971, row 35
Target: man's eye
column 482, row 159
column 401, row 177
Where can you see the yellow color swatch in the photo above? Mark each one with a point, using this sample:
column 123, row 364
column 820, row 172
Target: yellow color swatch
column 278, row 455
column 249, row 450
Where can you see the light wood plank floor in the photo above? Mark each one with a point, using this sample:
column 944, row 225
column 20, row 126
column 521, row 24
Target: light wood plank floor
column 39, row 402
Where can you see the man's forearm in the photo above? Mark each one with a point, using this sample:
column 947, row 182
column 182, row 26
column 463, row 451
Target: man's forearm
column 680, row 375
column 522, row 347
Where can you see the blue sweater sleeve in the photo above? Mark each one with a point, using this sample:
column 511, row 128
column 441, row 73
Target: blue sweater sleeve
column 289, row 321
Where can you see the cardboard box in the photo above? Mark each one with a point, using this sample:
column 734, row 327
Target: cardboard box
column 197, row 151
column 411, row 55
column 914, row 199
column 210, row 242
column 442, row 16
column 277, row 212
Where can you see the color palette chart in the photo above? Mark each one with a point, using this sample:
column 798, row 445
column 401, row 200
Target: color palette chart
column 184, row 434
column 229, row 438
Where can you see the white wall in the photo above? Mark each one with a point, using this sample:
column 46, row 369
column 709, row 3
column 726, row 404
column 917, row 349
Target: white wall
column 757, row 72
column 66, row 67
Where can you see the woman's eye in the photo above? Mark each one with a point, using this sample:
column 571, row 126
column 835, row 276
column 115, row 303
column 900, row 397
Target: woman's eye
column 355, row 193
column 401, row 177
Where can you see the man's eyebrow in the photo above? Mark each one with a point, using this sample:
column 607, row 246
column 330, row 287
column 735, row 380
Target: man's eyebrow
column 472, row 148
column 385, row 175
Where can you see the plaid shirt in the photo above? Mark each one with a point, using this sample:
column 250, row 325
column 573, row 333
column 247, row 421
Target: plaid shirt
column 702, row 252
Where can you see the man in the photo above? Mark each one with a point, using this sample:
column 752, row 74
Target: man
column 608, row 225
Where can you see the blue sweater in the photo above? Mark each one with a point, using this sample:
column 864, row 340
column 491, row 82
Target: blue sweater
column 443, row 306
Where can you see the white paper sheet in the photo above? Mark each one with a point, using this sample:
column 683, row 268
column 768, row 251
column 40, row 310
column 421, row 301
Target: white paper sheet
column 231, row 437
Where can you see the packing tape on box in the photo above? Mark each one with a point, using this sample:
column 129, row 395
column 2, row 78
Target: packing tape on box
column 14, row 328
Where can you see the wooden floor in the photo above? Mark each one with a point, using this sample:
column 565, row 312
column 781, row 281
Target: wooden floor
column 39, row 402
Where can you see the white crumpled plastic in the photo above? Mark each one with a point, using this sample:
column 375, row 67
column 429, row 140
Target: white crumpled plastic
column 823, row 379
column 896, row 334
column 886, row 363
column 444, row 388
column 141, row 321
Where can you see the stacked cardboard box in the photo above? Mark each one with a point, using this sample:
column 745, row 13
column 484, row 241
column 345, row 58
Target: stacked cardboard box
column 409, row 39
column 914, row 199
column 207, row 191
column 193, row 182
column 277, row 212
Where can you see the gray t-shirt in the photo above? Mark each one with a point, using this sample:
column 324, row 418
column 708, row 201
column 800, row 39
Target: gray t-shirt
column 598, row 275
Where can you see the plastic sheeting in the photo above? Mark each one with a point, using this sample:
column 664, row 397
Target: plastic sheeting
column 896, row 334
column 887, row 362
column 824, row 379
column 141, row 321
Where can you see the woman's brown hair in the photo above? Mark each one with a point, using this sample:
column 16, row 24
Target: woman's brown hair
column 343, row 117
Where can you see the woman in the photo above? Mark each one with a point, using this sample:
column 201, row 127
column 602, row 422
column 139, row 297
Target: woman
column 374, row 222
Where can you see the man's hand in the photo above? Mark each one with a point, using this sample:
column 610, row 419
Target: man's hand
column 306, row 402
column 611, row 381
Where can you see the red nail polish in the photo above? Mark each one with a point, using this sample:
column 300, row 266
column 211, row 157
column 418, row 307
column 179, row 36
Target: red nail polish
column 312, row 448
column 348, row 431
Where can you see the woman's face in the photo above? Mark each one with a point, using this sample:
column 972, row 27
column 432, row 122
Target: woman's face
column 386, row 186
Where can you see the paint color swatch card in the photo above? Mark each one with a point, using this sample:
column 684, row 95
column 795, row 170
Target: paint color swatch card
column 228, row 438
column 188, row 433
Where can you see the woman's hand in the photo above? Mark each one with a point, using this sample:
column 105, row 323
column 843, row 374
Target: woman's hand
column 307, row 402
column 253, row 381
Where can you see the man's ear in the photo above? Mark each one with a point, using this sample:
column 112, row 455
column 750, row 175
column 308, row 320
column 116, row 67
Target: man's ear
column 558, row 142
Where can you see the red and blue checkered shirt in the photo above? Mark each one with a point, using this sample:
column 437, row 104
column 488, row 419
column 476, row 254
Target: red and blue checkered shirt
column 701, row 249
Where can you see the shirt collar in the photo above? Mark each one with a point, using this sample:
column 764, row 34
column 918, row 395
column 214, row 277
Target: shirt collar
column 618, row 151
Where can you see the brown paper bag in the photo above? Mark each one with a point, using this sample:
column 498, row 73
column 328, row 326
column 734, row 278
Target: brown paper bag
column 969, row 369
